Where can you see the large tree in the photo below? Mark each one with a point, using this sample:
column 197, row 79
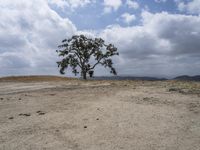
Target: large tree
column 83, row 54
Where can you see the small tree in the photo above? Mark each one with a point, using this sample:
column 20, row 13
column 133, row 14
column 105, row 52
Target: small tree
column 83, row 54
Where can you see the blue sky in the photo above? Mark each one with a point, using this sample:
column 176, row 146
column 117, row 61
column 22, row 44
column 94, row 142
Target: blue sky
column 93, row 17
column 154, row 37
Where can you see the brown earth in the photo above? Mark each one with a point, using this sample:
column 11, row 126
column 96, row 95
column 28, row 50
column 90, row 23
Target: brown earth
column 54, row 113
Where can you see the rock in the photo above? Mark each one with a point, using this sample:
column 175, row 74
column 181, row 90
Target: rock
column 11, row 118
column 40, row 112
column 173, row 89
column 85, row 127
column 25, row 114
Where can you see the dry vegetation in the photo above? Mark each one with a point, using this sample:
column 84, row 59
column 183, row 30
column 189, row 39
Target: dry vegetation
column 62, row 113
column 185, row 87
column 34, row 79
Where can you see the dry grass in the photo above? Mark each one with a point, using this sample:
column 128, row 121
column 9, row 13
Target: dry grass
column 185, row 87
column 34, row 78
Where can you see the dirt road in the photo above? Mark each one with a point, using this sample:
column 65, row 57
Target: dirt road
column 98, row 115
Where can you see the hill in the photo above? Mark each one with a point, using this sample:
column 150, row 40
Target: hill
column 188, row 78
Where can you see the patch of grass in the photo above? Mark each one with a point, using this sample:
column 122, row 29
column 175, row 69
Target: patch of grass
column 184, row 87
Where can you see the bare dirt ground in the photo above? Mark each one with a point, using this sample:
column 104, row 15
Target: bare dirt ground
column 65, row 114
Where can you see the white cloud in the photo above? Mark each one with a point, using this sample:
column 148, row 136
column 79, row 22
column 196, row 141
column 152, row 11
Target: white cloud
column 159, row 1
column 181, row 6
column 73, row 4
column 165, row 44
column 132, row 4
column 128, row 18
column 110, row 5
column 28, row 40
column 192, row 7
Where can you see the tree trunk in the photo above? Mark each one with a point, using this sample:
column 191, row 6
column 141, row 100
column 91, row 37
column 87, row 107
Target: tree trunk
column 84, row 75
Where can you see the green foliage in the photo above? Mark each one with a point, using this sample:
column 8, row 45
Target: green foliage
column 78, row 51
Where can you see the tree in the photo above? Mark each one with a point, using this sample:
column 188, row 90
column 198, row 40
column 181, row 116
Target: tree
column 83, row 54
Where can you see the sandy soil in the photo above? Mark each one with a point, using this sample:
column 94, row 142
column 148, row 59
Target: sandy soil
column 99, row 115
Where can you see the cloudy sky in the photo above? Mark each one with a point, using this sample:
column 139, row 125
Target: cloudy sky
column 154, row 37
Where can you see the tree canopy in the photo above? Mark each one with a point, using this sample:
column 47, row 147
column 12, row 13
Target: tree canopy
column 83, row 54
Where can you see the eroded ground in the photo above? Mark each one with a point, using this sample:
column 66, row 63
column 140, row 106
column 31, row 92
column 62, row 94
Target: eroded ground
column 99, row 115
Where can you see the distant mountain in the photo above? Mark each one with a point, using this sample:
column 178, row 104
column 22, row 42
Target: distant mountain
column 188, row 78
column 128, row 78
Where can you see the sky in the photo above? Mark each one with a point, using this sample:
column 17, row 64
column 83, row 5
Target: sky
column 158, row 38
